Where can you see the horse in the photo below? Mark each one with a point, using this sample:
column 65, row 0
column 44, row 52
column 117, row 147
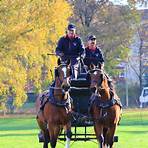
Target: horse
column 104, row 109
column 55, row 114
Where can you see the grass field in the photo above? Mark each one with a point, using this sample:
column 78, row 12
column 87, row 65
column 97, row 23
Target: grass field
column 21, row 132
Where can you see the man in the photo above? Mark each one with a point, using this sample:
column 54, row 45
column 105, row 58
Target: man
column 70, row 47
column 93, row 53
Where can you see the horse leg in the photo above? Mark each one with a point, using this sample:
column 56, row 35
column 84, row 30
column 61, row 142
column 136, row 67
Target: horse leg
column 56, row 134
column 104, row 135
column 46, row 139
column 68, row 132
column 111, row 132
column 54, row 131
column 43, row 126
column 44, row 131
column 41, row 122
column 98, row 131
column 110, row 136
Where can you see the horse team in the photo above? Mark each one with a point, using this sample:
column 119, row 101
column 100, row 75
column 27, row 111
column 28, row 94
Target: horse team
column 55, row 112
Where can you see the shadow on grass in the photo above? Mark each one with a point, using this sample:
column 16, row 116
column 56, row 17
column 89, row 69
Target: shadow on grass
column 134, row 122
column 18, row 128
column 135, row 132
column 17, row 135
column 18, row 124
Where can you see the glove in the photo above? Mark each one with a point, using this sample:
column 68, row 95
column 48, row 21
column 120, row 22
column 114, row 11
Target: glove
column 61, row 54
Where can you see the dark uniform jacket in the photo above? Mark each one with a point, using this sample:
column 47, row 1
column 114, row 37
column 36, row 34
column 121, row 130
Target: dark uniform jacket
column 93, row 56
column 72, row 48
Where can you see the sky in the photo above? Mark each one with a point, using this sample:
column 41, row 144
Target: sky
column 124, row 2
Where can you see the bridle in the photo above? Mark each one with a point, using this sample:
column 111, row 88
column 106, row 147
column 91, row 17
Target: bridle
column 65, row 77
column 97, row 83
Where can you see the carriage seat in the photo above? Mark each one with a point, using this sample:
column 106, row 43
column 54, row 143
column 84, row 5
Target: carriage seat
column 80, row 83
column 82, row 76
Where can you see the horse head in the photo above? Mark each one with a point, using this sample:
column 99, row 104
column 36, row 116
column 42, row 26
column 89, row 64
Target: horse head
column 62, row 75
column 98, row 82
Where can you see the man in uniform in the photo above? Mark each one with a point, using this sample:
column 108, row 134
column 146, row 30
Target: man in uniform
column 93, row 55
column 71, row 47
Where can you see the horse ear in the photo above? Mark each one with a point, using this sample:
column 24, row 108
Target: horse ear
column 59, row 61
column 68, row 62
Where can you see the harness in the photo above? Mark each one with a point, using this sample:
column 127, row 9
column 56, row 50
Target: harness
column 96, row 99
column 53, row 100
column 103, row 104
column 60, row 103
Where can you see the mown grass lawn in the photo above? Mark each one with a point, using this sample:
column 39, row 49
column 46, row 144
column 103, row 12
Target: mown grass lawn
column 21, row 132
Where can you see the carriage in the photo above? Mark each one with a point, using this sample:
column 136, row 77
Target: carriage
column 80, row 93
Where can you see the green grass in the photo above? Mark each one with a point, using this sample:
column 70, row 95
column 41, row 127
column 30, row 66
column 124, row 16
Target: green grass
column 21, row 132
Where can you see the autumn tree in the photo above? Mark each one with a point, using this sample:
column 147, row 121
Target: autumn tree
column 139, row 62
column 114, row 26
column 28, row 31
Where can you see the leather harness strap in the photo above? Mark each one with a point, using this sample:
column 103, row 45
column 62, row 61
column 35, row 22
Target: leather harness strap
column 103, row 104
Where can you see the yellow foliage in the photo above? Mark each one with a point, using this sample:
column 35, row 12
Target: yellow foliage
column 28, row 31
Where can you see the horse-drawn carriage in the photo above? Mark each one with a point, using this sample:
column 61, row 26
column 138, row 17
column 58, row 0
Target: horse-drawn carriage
column 80, row 93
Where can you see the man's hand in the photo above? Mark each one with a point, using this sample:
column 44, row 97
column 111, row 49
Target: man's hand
column 61, row 54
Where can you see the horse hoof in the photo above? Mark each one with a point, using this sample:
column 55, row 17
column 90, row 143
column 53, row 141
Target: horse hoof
column 41, row 137
column 115, row 138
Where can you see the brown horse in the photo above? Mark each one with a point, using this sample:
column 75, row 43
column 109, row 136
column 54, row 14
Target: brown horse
column 55, row 115
column 104, row 109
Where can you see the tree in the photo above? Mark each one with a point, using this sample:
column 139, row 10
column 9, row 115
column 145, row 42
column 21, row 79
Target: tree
column 84, row 13
column 28, row 31
column 139, row 65
column 113, row 25
column 142, row 2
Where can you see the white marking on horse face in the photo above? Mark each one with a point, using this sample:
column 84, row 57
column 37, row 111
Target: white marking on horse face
column 95, row 73
column 64, row 69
